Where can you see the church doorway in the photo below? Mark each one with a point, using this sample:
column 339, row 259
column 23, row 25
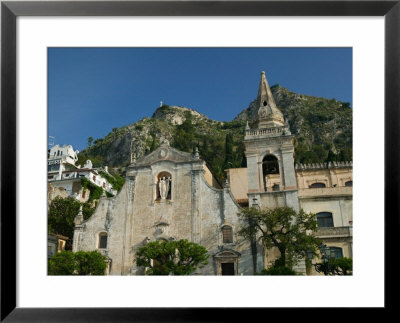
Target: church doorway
column 228, row 268
column 227, row 262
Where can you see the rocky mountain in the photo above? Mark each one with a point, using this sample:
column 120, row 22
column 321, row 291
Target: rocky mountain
column 323, row 130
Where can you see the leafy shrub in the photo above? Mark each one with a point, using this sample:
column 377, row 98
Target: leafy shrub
column 95, row 191
column 171, row 257
column 77, row 263
column 278, row 271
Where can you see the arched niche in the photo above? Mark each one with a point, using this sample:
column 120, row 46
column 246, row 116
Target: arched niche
column 163, row 186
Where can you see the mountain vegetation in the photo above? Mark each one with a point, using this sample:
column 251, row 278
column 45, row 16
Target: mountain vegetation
column 322, row 129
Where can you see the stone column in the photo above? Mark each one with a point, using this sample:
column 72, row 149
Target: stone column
column 196, row 205
column 252, row 173
column 288, row 169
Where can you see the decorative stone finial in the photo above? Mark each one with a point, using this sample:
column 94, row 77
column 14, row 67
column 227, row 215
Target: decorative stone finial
column 196, row 153
column 165, row 142
column 227, row 182
column 247, row 125
column 79, row 218
column 133, row 158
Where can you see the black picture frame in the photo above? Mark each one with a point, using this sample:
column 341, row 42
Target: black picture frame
column 10, row 10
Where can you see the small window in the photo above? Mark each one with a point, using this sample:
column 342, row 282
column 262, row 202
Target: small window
column 325, row 220
column 102, row 240
column 94, row 178
column 317, row 185
column 348, row 183
column 227, row 236
column 336, row 252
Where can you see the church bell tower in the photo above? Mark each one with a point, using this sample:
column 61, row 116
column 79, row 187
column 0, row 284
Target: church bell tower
column 269, row 151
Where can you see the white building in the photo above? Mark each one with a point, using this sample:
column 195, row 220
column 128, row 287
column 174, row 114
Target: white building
column 62, row 172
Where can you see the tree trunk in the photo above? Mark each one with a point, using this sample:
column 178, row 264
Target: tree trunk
column 281, row 261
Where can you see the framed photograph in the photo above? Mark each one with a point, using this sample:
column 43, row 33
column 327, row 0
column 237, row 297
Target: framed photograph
column 43, row 43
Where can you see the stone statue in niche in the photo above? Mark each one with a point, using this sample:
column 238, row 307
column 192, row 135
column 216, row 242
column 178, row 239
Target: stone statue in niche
column 164, row 185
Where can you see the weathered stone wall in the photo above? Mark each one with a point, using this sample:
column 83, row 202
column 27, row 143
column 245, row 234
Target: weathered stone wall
column 218, row 208
column 196, row 212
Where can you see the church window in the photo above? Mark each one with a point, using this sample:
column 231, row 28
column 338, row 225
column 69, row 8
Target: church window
column 265, row 103
column 335, row 252
column 317, row 185
column 163, row 187
column 103, row 240
column 325, row 219
column 348, row 183
column 227, row 234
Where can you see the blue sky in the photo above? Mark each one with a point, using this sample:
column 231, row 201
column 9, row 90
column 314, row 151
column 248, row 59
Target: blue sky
column 92, row 90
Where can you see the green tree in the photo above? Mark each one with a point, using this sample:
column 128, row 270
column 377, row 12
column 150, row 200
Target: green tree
column 171, row 257
column 346, row 154
column 61, row 216
column 62, row 263
column 90, row 141
column 278, row 271
column 185, row 134
column 228, row 163
column 90, row 263
column 77, row 263
column 283, row 228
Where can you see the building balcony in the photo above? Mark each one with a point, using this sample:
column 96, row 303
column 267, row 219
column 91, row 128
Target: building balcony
column 325, row 192
column 334, row 232
column 267, row 132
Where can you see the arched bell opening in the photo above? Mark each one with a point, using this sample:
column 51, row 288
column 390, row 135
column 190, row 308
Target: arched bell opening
column 271, row 175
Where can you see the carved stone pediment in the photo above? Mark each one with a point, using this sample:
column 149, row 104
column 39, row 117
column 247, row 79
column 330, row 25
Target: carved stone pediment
column 165, row 152
column 227, row 254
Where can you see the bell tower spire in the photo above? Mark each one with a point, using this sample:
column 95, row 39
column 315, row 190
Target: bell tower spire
column 269, row 150
column 264, row 96
column 268, row 115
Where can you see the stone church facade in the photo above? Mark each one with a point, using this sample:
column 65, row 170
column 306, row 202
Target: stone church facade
column 172, row 195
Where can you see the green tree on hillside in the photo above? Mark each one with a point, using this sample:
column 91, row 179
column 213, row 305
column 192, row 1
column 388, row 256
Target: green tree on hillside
column 229, row 157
